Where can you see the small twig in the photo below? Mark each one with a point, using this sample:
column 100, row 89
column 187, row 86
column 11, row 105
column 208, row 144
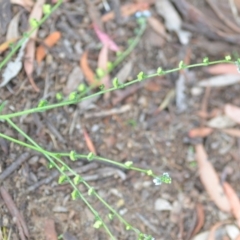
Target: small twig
column 17, row 216
column 105, row 113
column 13, row 166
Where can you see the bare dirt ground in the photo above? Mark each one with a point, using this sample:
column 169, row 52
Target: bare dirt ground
column 152, row 139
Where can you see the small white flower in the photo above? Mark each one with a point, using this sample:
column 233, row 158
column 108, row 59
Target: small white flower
column 157, row 181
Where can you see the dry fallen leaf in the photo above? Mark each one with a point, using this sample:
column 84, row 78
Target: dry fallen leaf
column 75, row 78
column 233, row 112
column 127, row 10
column 221, row 122
column 13, row 67
column 29, row 63
column 200, row 132
column 4, row 46
column 210, row 180
column 222, row 68
column 233, row 200
column 27, row 4
column 105, row 39
column 102, row 64
column 220, row 81
column 232, row 132
column 162, row 204
column 12, row 31
column 158, row 27
column 49, row 41
column 172, row 19
column 30, row 48
column 49, row 230
column 214, row 228
column 200, row 219
column 87, row 71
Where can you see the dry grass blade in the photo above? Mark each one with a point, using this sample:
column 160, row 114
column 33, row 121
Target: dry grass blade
column 201, row 218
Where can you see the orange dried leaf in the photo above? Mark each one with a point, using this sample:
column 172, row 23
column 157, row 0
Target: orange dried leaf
column 233, row 112
column 89, row 142
column 49, row 41
column 200, row 220
column 87, row 71
column 4, row 46
column 126, row 10
column 200, row 132
column 234, row 201
column 210, row 180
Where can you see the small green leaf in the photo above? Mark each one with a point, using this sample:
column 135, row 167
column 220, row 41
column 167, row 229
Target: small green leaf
column 42, row 103
column 109, row 66
column 64, row 168
column 50, row 165
column 77, row 180
column 128, row 164
column 181, row 64
column 228, row 58
column 81, row 87
column 33, row 23
column 74, row 194
column 101, row 87
column 97, row 224
column 47, row 8
column 160, row 71
column 72, row 96
column 140, row 76
column 115, row 82
column 62, row 179
column 206, row 60
column 91, row 191
column 110, row 216
column 59, row 97
column 150, row 172
column 100, row 73
column 90, row 156
column 73, row 156
column 128, row 227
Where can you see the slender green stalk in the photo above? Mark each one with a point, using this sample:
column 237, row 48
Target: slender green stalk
column 77, row 100
column 28, row 34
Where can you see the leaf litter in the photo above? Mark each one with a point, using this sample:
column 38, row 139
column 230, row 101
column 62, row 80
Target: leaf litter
column 164, row 147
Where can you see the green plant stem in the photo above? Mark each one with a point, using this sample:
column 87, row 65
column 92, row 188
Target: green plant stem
column 68, row 102
column 47, row 155
column 27, row 35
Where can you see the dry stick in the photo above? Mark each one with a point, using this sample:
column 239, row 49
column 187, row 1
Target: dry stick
column 17, row 216
column 13, row 166
column 205, row 103
column 221, row 16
